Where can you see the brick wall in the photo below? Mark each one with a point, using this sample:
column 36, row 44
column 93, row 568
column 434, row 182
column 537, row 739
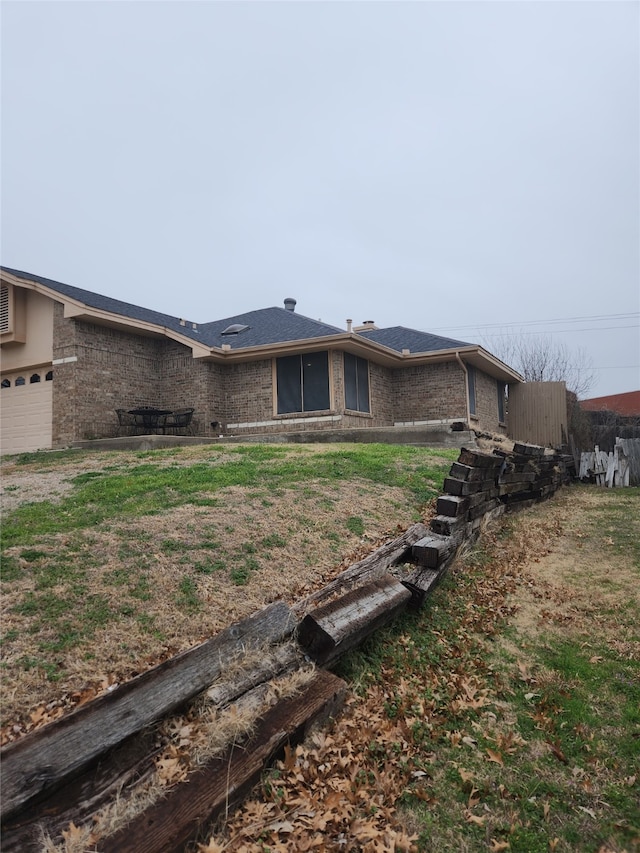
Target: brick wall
column 429, row 392
column 487, row 404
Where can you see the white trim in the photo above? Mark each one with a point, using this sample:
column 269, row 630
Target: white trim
column 427, row 423
column 66, row 360
column 301, row 421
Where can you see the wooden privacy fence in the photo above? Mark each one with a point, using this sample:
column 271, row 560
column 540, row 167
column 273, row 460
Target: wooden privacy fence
column 66, row 771
column 620, row 467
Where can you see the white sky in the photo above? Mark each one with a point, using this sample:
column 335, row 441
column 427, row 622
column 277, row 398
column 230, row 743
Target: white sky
column 438, row 165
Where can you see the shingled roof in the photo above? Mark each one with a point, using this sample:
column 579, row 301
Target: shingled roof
column 265, row 326
column 399, row 338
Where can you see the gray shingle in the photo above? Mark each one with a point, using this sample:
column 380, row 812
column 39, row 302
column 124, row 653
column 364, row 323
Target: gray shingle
column 399, row 338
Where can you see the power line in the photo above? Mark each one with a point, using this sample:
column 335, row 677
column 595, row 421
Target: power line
column 597, row 317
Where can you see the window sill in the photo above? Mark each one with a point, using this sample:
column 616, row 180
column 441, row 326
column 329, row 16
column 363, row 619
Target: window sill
column 316, row 414
column 356, row 414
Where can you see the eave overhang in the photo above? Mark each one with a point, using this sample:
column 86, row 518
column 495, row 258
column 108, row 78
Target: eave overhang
column 346, row 341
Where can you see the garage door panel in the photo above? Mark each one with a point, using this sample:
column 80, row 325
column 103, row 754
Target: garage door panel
column 26, row 413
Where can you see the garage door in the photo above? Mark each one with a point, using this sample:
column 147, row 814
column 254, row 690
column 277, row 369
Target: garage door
column 26, row 410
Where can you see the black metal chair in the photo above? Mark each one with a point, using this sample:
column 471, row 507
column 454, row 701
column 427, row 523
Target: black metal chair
column 179, row 420
column 126, row 422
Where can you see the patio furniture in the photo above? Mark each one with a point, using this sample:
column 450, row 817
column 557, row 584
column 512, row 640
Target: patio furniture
column 126, row 422
column 178, row 421
column 148, row 418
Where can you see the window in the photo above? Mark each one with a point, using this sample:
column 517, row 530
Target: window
column 49, row 376
column 6, row 383
column 35, row 377
column 303, row 382
column 471, row 383
column 356, row 383
column 19, row 381
column 502, row 395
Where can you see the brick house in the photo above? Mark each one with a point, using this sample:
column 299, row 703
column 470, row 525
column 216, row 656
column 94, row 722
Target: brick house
column 71, row 357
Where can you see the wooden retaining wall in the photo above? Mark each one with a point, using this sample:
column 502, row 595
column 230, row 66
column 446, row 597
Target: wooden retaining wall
column 72, row 767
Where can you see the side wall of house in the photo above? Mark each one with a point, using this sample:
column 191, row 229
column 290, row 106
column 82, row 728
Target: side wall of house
column 100, row 369
column 487, row 404
column 429, row 392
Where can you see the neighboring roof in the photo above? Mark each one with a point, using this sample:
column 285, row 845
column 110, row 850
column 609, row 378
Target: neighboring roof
column 399, row 338
column 627, row 404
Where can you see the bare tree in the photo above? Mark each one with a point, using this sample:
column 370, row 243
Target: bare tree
column 543, row 359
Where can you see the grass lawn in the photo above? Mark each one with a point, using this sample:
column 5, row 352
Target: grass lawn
column 113, row 561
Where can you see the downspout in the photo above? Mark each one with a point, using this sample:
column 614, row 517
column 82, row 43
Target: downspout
column 466, row 385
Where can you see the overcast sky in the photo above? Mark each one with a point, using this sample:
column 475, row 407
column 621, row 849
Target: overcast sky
column 438, row 165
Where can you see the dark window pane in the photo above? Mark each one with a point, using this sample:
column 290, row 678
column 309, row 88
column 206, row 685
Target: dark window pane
column 501, row 397
column 289, row 384
column 315, row 381
column 19, row 380
column 350, row 382
column 471, row 378
column 363, row 385
column 35, row 377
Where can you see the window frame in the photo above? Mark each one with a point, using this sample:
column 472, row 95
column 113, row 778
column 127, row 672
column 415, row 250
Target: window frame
column 279, row 363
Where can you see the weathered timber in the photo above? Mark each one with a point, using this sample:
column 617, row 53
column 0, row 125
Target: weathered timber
column 478, row 459
column 470, row 473
column 372, row 566
column 517, row 477
column 218, row 787
column 482, row 509
column 272, row 664
column 453, row 505
column 48, row 756
column 420, row 583
column 330, row 630
column 462, row 487
column 431, row 551
column 514, row 488
column 481, row 497
column 446, row 526
column 127, row 764
column 521, row 449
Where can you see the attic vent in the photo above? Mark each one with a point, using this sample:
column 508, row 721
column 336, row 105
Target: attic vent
column 5, row 325
column 290, row 304
column 234, row 329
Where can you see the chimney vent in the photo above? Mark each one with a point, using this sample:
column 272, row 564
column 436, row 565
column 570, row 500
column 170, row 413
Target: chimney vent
column 349, row 322
column 290, row 304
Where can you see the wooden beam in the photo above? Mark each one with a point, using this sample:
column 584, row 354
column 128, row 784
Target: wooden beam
column 191, row 806
column 330, row 630
column 374, row 565
column 125, row 765
column 45, row 758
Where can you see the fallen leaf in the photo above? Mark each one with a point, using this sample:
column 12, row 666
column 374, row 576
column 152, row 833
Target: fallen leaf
column 496, row 756
column 499, row 845
column 590, row 812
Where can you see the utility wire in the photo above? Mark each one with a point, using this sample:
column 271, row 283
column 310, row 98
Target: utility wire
column 597, row 317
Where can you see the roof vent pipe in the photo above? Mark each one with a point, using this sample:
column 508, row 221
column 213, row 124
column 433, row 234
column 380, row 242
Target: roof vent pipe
column 290, row 304
column 349, row 322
